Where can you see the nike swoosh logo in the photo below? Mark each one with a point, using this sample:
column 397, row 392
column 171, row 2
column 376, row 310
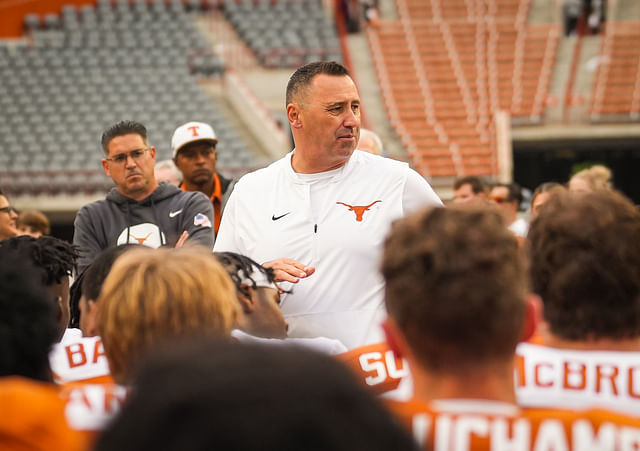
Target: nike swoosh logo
column 275, row 218
column 173, row 214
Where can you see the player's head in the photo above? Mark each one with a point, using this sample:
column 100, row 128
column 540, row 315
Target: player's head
column 155, row 295
column 210, row 395
column 28, row 326
column 455, row 287
column 55, row 259
column 84, row 300
column 257, row 294
column 129, row 160
column 585, row 264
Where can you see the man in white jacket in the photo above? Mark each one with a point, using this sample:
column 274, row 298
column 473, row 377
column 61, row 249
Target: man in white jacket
column 319, row 215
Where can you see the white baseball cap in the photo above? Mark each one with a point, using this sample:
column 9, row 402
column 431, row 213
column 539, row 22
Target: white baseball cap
column 191, row 132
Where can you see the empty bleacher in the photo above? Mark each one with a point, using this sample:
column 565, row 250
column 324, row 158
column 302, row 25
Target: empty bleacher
column 447, row 67
column 616, row 87
column 88, row 67
column 285, row 33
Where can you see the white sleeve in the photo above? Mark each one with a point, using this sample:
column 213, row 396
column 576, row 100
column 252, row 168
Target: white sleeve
column 418, row 193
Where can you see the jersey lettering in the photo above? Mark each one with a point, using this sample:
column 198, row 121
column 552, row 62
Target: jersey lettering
column 76, row 355
column 577, row 379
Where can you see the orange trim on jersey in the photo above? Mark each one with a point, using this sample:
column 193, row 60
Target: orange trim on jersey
column 216, row 200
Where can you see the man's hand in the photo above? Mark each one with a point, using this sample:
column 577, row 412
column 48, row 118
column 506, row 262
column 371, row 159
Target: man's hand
column 287, row 270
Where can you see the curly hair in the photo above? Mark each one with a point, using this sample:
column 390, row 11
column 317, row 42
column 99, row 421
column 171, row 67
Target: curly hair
column 456, row 285
column 585, row 264
column 54, row 257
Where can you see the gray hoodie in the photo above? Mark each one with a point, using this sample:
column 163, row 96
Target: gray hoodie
column 157, row 220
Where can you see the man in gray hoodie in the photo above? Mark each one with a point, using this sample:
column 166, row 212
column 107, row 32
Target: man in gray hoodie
column 139, row 210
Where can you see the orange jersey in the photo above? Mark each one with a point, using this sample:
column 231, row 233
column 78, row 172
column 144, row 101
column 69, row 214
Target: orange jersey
column 33, row 417
column 89, row 407
column 376, row 366
column 550, row 377
column 485, row 425
column 80, row 359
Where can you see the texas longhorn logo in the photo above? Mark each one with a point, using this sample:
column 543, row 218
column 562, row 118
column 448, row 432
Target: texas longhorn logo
column 359, row 209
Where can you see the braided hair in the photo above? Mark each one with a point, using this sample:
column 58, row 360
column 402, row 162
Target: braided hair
column 240, row 267
column 54, row 257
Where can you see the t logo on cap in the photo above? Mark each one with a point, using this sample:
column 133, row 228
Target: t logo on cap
column 194, row 129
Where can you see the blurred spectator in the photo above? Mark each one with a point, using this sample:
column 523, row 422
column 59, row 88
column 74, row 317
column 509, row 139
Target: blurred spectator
column 571, row 12
column 370, row 142
column 541, row 195
column 469, row 188
column 194, row 153
column 206, row 395
column 594, row 178
column 8, row 216
column 166, row 171
column 508, row 196
column 33, row 223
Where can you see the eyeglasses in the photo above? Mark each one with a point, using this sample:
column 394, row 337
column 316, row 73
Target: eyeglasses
column 500, row 200
column 121, row 158
column 8, row 209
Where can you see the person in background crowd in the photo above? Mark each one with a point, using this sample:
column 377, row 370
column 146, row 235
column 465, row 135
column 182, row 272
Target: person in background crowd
column 508, row 196
column 591, row 179
column 318, row 215
column 138, row 210
column 8, row 216
column 541, row 196
column 469, row 188
column 166, row 171
column 194, row 153
column 370, row 142
column 33, row 223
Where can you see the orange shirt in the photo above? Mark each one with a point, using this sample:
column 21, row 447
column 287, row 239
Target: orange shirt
column 462, row 424
column 33, row 417
column 216, row 200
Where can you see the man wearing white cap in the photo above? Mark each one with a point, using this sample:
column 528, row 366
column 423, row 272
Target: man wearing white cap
column 194, row 153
